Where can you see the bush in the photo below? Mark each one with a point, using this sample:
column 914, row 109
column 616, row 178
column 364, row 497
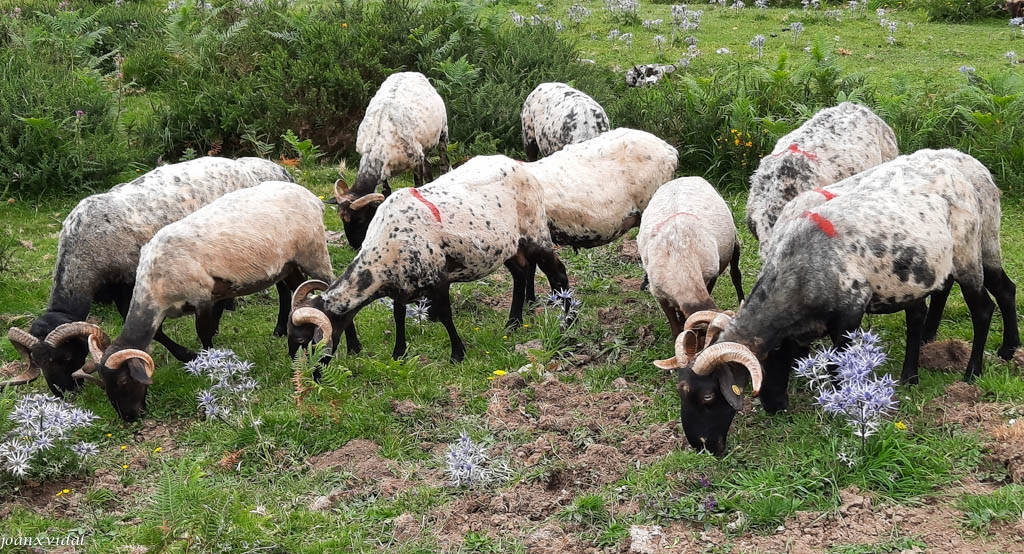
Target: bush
column 959, row 11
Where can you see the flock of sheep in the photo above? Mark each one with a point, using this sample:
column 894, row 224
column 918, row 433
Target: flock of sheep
column 846, row 227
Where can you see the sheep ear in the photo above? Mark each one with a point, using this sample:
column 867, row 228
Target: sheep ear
column 667, row 365
column 139, row 374
column 731, row 384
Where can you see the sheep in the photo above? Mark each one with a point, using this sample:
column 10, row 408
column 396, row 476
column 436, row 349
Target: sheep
column 555, row 115
column 595, row 191
column 850, row 254
column 405, row 119
column 687, row 239
column 460, row 228
column 98, row 253
column 239, row 244
column 836, row 143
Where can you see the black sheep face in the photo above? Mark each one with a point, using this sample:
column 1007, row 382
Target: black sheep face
column 58, row 363
column 708, row 404
column 356, row 222
column 305, row 335
column 126, row 388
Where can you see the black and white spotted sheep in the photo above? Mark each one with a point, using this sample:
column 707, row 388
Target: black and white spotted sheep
column 462, row 227
column 98, row 253
column 879, row 242
column 836, row 143
column 596, row 190
column 244, row 242
column 404, row 120
column 687, row 239
column 555, row 115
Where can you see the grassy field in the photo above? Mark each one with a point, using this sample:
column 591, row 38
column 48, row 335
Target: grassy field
column 591, row 437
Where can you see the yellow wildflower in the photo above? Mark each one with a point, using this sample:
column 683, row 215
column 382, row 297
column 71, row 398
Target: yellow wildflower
column 901, row 426
column 109, row 435
column 737, row 142
column 322, row 197
column 504, row 337
column 749, row 144
column 158, row 450
column 500, row 372
column 476, row 328
column 526, row 326
column 123, row 448
column 66, row 491
column 124, row 466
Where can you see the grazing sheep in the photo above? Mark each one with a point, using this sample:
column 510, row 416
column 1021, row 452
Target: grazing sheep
column 595, row 191
column 98, row 253
column 687, row 239
column 555, row 115
column 405, row 119
column 878, row 242
column 462, row 227
column 240, row 244
column 836, row 143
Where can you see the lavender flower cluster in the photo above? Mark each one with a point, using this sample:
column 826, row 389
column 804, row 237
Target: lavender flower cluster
column 861, row 398
column 757, row 43
column 232, row 384
column 42, row 422
column 468, row 464
column 566, row 300
column 577, row 13
column 418, row 312
column 687, row 20
column 626, row 7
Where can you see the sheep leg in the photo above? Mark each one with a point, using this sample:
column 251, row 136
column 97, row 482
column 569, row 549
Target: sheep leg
column 420, row 171
column 916, row 315
column 530, row 275
column 207, row 319
column 711, row 285
column 385, row 187
column 1000, row 285
column 936, row 305
column 532, row 150
column 734, row 272
column 554, row 270
column 441, row 308
column 515, row 311
column 399, row 313
column 442, row 150
column 123, row 302
column 774, row 392
column 284, row 306
column 673, row 318
column 981, row 308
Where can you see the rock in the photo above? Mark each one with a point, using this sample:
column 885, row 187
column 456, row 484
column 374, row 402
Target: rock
column 524, row 348
column 646, row 540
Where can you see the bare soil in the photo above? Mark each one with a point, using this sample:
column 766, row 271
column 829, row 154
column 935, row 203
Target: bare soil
column 948, row 355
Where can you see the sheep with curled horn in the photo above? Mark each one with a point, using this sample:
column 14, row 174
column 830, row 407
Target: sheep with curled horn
column 837, row 256
column 98, row 254
column 404, row 120
column 240, row 244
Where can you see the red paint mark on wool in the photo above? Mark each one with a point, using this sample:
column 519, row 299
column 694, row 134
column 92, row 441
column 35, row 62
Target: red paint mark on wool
column 433, row 209
column 658, row 227
column 824, row 224
column 795, row 149
column 828, row 195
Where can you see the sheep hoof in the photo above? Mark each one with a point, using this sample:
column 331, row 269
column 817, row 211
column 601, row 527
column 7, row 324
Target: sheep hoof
column 280, row 331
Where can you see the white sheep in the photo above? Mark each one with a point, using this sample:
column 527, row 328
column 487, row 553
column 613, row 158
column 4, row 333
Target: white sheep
column 836, row 143
column 404, row 120
column 462, row 227
column 555, row 115
column 596, row 190
column 687, row 239
column 240, row 244
column 98, row 254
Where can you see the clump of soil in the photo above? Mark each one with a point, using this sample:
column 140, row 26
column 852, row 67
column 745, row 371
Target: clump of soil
column 552, row 539
column 406, row 528
column 629, row 252
column 560, row 407
column 404, row 407
column 373, row 473
column 948, row 355
column 1018, row 357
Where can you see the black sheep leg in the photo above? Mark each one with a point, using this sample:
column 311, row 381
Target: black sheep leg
column 400, row 345
column 935, row 308
column 515, row 311
column 981, row 308
column 1000, row 285
column 441, row 309
column 916, row 315
column 123, row 302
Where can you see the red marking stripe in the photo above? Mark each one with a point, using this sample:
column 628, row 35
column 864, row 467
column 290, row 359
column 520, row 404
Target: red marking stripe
column 828, row 195
column 433, row 209
column 658, row 227
column 795, row 149
column 824, row 224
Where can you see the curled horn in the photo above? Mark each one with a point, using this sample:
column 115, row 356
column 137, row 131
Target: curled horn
column 117, row 359
column 303, row 316
column 364, row 201
column 23, row 341
column 87, row 372
column 725, row 352
column 716, row 327
column 703, row 317
column 313, row 285
column 75, row 329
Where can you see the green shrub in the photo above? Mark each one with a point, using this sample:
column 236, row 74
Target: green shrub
column 959, row 11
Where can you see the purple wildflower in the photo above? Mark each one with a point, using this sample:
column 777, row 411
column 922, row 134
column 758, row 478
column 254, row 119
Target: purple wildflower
column 467, row 463
column 419, row 312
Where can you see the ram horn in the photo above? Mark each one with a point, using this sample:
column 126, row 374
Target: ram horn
column 117, row 359
column 726, row 352
column 87, row 371
column 313, row 285
column 307, row 315
column 75, row 329
column 703, row 317
column 23, row 342
column 716, row 327
column 364, row 201
column 25, row 377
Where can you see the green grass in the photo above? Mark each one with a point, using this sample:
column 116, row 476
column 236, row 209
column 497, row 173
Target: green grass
column 1005, row 505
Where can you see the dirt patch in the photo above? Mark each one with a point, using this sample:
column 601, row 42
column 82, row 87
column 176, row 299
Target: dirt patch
column 552, row 539
column 560, row 407
column 629, row 252
column 405, row 407
column 373, row 474
column 858, row 520
column 948, row 355
column 406, row 528
column 1018, row 357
